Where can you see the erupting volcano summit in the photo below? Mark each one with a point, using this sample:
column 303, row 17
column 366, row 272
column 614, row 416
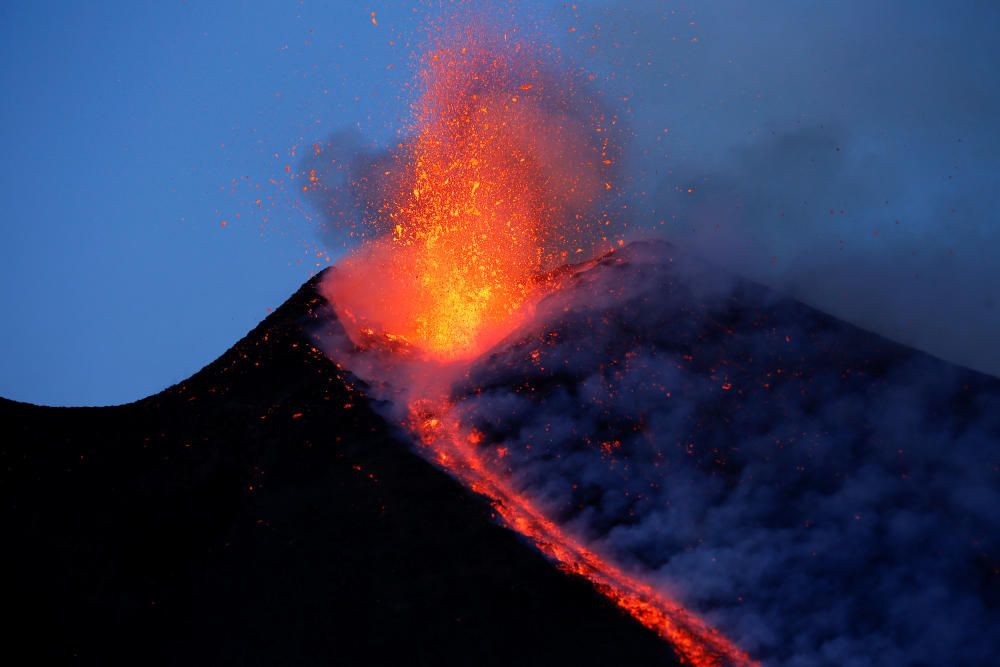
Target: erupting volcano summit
column 496, row 433
column 507, row 174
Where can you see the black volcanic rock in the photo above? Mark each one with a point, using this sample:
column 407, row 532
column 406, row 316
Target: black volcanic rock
column 261, row 513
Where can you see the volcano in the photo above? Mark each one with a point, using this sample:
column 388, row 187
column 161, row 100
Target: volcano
column 261, row 513
column 800, row 480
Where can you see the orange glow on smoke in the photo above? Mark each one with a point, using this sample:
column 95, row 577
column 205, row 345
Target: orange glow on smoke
column 498, row 155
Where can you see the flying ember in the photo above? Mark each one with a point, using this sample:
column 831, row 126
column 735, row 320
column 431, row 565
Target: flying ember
column 502, row 153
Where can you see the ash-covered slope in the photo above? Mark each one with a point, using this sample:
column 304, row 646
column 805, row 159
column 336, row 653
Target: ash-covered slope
column 261, row 513
column 822, row 495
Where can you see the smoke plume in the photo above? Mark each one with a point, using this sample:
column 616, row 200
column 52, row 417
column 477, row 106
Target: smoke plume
column 825, row 496
column 844, row 153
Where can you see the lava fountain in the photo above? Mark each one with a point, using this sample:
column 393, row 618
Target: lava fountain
column 501, row 154
column 507, row 175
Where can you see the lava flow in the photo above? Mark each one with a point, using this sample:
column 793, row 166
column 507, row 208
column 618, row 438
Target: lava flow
column 453, row 448
column 508, row 174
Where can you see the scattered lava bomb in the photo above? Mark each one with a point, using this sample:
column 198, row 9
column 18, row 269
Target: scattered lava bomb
column 508, row 173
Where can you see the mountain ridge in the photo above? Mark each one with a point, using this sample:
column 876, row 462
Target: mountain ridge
column 260, row 512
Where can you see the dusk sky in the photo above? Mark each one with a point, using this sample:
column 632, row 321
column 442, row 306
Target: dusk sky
column 843, row 151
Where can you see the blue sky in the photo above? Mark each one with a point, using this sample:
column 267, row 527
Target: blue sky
column 133, row 129
column 124, row 124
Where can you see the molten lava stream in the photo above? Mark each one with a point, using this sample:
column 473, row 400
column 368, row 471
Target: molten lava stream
column 695, row 642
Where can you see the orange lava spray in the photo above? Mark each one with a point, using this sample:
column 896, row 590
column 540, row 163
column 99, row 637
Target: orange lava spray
column 502, row 154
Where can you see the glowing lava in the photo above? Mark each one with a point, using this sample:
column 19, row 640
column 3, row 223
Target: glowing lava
column 454, row 448
column 500, row 157
column 507, row 175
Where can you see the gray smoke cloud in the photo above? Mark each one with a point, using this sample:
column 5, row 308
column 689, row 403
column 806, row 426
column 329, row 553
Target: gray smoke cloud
column 845, row 152
column 825, row 496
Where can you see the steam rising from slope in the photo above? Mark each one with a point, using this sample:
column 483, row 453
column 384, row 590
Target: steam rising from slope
column 818, row 494
column 825, row 496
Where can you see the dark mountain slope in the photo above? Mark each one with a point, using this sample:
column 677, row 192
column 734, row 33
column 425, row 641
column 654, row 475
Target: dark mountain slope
column 829, row 496
column 261, row 513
